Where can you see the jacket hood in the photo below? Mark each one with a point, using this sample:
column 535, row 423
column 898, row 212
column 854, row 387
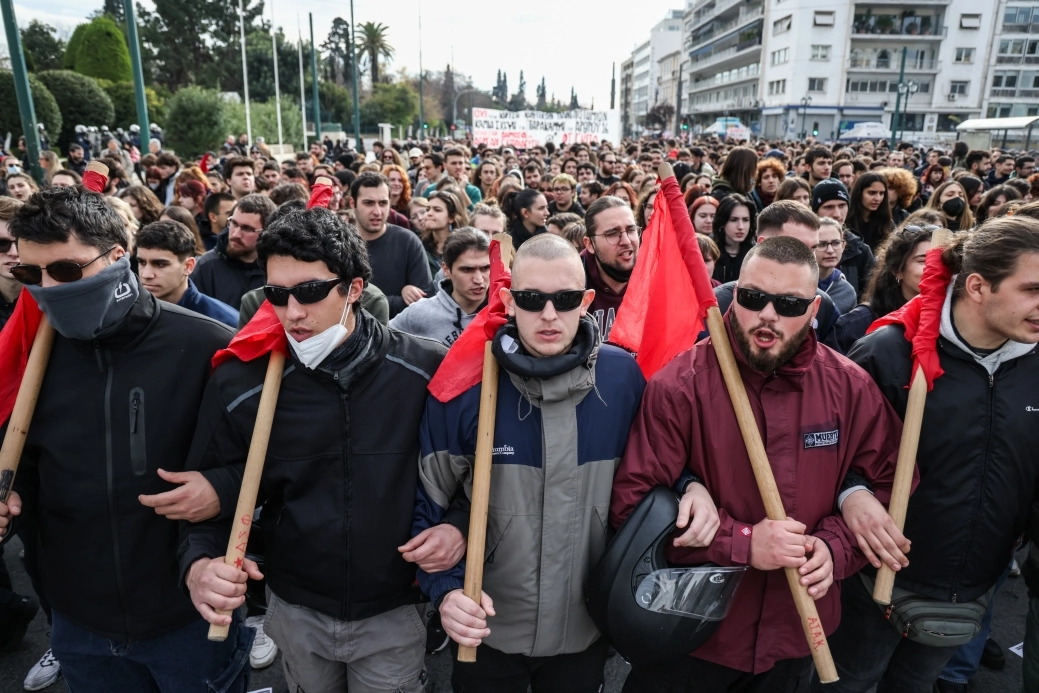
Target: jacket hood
column 553, row 378
column 991, row 363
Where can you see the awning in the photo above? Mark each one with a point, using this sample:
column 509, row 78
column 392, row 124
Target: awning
column 1019, row 123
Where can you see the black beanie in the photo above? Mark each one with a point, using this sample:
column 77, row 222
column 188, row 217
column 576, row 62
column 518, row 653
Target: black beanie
column 829, row 189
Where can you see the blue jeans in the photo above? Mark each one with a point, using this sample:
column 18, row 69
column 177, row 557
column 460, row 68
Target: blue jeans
column 964, row 664
column 183, row 661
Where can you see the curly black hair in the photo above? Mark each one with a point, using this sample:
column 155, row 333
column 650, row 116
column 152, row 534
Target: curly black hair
column 313, row 235
column 56, row 214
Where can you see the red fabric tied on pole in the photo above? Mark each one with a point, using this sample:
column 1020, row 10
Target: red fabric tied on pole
column 922, row 316
column 94, row 181
column 463, row 366
column 261, row 335
column 320, row 195
column 15, row 344
column 669, row 293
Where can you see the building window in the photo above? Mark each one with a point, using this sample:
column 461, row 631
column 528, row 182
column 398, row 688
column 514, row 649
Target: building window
column 999, row 110
column 958, row 88
column 817, row 84
column 1018, row 15
column 824, row 18
column 970, row 21
column 964, row 55
column 1003, row 79
column 781, row 26
column 777, row 87
column 781, row 56
column 820, row 52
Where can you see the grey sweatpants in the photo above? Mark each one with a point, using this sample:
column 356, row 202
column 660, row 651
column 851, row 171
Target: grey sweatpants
column 382, row 654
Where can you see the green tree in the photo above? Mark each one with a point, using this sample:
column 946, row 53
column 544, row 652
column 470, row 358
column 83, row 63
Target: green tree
column 68, row 60
column 125, row 102
column 337, row 104
column 542, row 103
column 104, row 53
column 573, row 100
column 518, row 102
column 372, row 43
column 196, row 121
column 336, row 49
column 264, row 117
column 80, row 100
column 41, row 42
column 447, row 92
column 396, row 104
column 43, row 101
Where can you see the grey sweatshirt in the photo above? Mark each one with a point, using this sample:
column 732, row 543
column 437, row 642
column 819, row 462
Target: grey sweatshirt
column 436, row 317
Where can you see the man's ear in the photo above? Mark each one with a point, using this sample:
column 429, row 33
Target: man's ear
column 508, row 300
column 189, row 266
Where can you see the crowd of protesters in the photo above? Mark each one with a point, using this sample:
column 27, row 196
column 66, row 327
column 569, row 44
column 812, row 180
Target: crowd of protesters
column 355, row 565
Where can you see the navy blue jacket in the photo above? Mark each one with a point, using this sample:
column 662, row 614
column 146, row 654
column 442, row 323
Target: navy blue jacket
column 195, row 300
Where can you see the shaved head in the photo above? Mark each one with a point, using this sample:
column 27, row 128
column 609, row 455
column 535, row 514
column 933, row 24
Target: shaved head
column 547, row 247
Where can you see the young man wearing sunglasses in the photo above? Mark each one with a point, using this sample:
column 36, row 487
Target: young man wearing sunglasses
column 611, row 247
column 340, row 476
column 821, row 417
column 9, row 286
column 565, row 403
column 230, row 269
column 113, row 423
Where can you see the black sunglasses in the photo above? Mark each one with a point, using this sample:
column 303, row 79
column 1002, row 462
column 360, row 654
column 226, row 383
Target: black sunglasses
column 787, row 306
column 5, row 245
column 307, row 292
column 534, row 301
column 63, row 271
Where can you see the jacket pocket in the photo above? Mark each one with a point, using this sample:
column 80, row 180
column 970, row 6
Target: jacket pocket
column 138, row 450
column 496, row 526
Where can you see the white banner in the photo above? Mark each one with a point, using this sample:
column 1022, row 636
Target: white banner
column 526, row 129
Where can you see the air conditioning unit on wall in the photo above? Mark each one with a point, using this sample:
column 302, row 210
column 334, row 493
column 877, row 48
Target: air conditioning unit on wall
column 952, row 97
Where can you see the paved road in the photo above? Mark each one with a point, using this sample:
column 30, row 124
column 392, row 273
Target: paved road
column 1008, row 629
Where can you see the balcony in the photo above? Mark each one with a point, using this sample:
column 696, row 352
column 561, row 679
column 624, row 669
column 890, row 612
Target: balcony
column 1017, row 59
column 746, row 15
column 723, row 79
column 1032, row 28
column 1014, row 93
column 733, row 104
column 707, row 13
column 882, row 27
column 892, row 65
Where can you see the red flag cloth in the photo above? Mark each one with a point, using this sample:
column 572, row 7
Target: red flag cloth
column 15, row 344
column 463, row 366
column 320, row 195
column 922, row 316
column 669, row 293
column 261, row 335
column 94, row 181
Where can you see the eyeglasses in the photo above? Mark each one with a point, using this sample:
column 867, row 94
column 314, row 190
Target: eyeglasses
column 913, row 228
column 63, row 271
column 567, row 189
column 305, row 293
column 5, row 245
column 787, row 306
column 534, row 301
column 823, row 245
column 613, row 236
column 234, row 225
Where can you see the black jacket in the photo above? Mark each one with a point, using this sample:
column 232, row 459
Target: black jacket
column 110, row 413
column 225, row 278
column 340, row 477
column 857, row 262
column 976, row 458
column 852, row 326
column 520, row 234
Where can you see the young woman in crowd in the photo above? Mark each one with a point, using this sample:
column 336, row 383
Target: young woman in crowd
column 734, row 232
column 902, row 188
column 145, row 206
column 400, row 187
column 737, row 174
column 624, row 192
column 768, row 176
column 795, row 189
column 992, row 202
column 702, row 213
column 869, row 214
column 527, row 212
column 444, row 214
column 950, row 199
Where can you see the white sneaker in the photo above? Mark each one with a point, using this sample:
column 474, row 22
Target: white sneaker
column 44, row 673
column 264, row 650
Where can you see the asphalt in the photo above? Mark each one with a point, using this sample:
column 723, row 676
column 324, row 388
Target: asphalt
column 1008, row 628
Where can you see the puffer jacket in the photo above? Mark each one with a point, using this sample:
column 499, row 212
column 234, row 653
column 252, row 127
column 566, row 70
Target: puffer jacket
column 561, row 426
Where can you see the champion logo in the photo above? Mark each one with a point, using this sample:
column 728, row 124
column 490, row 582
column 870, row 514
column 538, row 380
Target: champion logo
column 745, row 531
column 504, row 450
column 1031, row 408
column 122, row 291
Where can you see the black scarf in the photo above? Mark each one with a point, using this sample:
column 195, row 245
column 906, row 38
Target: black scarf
column 521, row 363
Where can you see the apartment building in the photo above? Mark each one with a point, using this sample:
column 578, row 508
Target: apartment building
column 627, row 95
column 1012, row 84
column 664, row 38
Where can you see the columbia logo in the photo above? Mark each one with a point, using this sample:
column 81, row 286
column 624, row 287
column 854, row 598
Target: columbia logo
column 504, row 450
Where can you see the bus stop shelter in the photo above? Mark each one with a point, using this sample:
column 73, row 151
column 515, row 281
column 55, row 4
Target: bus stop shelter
column 983, row 130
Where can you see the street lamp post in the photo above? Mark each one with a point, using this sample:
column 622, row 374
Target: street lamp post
column 905, row 90
column 806, row 101
column 454, row 104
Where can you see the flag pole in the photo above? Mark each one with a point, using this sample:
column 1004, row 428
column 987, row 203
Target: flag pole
column 302, row 85
column 766, row 481
column 903, row 483
column 277, row 86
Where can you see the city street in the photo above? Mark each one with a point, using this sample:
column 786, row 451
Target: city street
column 1008, row 629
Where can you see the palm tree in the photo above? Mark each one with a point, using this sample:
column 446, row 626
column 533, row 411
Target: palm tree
column 372, row 43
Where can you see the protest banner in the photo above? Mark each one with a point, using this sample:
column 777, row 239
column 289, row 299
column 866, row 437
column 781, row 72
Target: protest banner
column 525, row 129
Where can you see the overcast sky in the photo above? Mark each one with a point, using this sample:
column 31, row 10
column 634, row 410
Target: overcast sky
column 569, row 43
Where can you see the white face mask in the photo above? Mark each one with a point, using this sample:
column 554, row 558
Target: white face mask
column 311, row 352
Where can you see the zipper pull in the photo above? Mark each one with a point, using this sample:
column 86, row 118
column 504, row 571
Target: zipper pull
column 991, row 379
column 136, row 406
column 954, row 596
column 97, row 355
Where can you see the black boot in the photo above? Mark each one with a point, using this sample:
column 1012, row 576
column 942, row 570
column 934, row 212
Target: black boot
column 993, row 656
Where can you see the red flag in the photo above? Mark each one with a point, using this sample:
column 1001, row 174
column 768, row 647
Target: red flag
column 321, row 193
column 261, row 335
column 669, row 293
column 922, row 316
column 463, row 366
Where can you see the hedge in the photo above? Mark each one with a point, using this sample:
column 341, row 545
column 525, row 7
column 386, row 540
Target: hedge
column 46, row 107
column 80, row 100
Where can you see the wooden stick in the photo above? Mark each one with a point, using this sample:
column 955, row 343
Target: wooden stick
column 24, row 406
column 813, row 627
column 481, row 488
column 239, row 538
column 507, row 250
column 906, row 456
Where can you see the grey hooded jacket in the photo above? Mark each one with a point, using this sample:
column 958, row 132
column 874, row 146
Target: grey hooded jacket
column 437, row 317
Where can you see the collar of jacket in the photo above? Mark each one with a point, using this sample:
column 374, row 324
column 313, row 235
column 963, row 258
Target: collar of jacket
column 991, row 363
column 354, row 358
column 446, row 296
column 554, row 378
column 792, row 372
column 221, row 250
column 520, row 234
column 129, row 331
column 852, row 244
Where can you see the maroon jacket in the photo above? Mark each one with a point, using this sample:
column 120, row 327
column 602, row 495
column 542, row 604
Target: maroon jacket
column 824, row 416
column 607, row 301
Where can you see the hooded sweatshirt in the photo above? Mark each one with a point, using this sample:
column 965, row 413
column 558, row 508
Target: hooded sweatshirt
column 437, row 317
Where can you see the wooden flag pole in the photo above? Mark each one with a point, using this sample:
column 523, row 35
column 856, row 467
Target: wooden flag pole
column 766, row 481
column 243, row 517
column 24, row 406
column 903, row 483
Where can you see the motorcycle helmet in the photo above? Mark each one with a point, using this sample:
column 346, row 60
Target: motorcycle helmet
column 80, row 129
column 135, row 128
column 104, row 128
column 650, row 611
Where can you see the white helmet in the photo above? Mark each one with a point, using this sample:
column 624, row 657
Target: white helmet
column 80, row 129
